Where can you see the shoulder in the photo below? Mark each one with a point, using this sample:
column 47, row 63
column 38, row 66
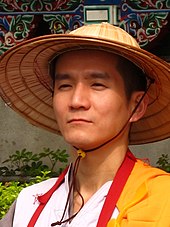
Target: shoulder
column 145, row 172
column 154, row 178
column 42, row 185
column 159, row 185
column 35, row 190
column 146, row 180
column 28, row 201
column 146, row 198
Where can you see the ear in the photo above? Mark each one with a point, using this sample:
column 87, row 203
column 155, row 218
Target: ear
column 140, row 111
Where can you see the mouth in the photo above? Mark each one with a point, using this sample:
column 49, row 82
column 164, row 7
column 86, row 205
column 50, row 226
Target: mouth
column 79, row 121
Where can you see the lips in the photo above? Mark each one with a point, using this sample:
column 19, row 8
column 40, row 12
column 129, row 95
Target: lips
column 79, row 120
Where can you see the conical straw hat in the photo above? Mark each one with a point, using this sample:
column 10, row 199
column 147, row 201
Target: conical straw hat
column 25, row 84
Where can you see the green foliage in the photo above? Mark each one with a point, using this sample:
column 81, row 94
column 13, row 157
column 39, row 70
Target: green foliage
column 54, row 157
column 10, row 190
column 164, row 163
column 25, row 163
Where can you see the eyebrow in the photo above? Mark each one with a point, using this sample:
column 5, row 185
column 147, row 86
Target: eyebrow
column 88, row 75
column 98, row 75
column 62, row 76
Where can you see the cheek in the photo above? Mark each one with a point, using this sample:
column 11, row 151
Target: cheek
column 110, row 104
column 113, row 110
column 58, row 107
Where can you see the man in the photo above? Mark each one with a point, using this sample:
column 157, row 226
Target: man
column 102, row 84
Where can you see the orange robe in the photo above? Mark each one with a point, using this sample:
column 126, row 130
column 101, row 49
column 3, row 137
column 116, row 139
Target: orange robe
column 145, row 199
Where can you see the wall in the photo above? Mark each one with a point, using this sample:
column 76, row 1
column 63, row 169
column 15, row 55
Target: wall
column 16, row 133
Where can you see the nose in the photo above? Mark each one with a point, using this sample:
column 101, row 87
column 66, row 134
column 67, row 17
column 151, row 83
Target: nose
column 80, row 97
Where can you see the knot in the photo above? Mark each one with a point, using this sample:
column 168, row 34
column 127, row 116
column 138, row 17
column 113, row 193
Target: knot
column 81, row 153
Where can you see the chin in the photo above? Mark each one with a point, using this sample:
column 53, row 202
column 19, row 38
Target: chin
column 78, row 144
column 78, row 141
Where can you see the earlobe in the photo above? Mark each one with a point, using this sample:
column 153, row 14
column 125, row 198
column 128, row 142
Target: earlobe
column 141, row 109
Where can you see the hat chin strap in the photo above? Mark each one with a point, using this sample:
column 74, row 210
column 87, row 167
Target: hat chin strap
column 81, row 152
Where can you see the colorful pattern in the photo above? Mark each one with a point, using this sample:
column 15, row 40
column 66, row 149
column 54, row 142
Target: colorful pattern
column 144, row 19
column 20, row 19
column 14, row 30
column 65, row 22
column 38, row 5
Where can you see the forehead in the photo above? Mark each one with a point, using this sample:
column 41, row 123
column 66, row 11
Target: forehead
column 89, row 57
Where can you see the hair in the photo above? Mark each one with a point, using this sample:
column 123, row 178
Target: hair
column 134, row 78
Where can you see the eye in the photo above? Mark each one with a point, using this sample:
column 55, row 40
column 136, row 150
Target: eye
column 64, row 87
column 98, row 86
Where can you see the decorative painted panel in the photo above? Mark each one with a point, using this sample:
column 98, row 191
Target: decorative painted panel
column 19, row 20
column 24, row 19
column 144, row 19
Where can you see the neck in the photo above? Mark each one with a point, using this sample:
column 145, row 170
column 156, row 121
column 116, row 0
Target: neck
column 100, row 166
column 97, row 168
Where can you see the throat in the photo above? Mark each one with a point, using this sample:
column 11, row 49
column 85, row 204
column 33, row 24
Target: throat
column 95, row 170
column 87, row 195
column 88, row 187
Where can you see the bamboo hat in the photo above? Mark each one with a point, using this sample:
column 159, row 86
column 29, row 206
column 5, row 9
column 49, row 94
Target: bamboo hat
column 25, row 84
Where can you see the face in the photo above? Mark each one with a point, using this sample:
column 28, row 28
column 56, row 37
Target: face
column 89, row 100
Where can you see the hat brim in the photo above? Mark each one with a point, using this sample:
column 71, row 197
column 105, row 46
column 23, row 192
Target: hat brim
column 26, row 85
